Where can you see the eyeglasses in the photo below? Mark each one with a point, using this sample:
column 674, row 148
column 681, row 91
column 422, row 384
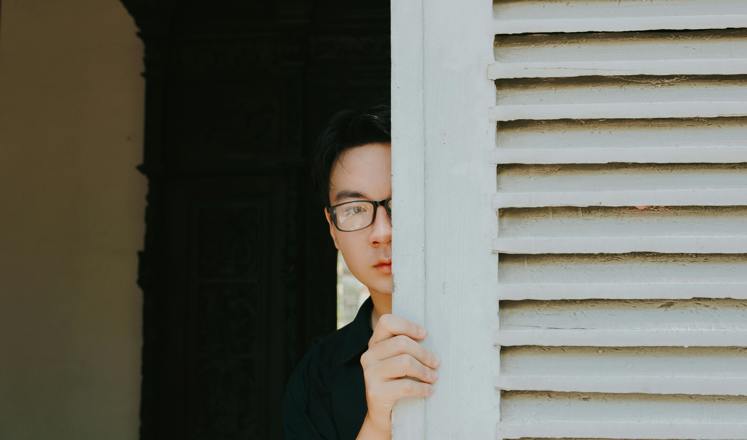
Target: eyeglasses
column 358, row 214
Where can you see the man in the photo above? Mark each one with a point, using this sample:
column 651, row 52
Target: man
column 347, row 383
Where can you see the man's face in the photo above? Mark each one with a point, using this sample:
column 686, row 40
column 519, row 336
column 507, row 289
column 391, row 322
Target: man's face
column 364, row 173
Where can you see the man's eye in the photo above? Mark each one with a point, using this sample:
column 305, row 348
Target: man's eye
column 352, row 210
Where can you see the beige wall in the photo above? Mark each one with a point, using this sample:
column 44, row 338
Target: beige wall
column 71, row 220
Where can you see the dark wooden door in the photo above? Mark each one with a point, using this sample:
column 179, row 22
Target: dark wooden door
column 238, row 271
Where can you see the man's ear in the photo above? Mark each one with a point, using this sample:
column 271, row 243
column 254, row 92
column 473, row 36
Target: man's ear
column 332, row 230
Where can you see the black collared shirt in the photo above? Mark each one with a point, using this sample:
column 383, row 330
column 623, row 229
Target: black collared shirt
column 325, row 397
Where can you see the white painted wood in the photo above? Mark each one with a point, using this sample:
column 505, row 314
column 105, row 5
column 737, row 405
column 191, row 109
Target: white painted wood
column 629, row 383
column 621, row 416
column 614, row 245
column 653, row 370
column 606, row 154
column 617, row 24
column 627, row 276
column 709, row 314
column 623, row 177
column 523, row 186
column 592, row 10
column 627, row 53
column 620, row 97
column 449, row 46
column 720, row 140
column 624, row 338
column 670, row 197
column 461, row 299
column 605, row 323
column 703, row 108
column 568, row 69
column 523, row 16
column 621, row 46
column 408, row 190
column 622, row 230
column 624, row 290
column 621, row 188
column 636, row 90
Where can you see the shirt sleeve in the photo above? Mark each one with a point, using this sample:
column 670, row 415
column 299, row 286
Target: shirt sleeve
column 297, row 423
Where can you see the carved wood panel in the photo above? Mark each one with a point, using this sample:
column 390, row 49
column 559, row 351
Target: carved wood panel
column 224, row 307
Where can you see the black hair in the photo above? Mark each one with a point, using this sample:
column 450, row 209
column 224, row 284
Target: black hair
column 347, row 129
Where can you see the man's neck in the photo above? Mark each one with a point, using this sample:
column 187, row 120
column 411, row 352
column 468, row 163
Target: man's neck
column 382, row 304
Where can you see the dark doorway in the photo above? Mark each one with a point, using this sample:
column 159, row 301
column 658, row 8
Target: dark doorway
column 238, row 271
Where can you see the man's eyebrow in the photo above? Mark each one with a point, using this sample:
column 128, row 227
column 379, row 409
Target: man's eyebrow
column 346, row 194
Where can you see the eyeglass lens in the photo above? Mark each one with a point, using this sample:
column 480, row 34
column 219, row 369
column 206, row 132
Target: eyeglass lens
column 356, row 215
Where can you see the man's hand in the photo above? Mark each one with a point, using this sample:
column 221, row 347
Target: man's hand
column 394, row 366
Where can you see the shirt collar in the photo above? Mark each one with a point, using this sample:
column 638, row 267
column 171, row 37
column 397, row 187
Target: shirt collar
column 358, row 333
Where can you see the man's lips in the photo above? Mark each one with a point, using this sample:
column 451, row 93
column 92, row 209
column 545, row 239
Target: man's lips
column 384, row 267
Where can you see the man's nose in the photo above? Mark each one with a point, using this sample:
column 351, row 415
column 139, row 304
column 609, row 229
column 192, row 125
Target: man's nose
column 382, row 227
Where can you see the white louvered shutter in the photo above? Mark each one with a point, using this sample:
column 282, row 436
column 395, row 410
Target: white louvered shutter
column 622, row 218
column 606, row 143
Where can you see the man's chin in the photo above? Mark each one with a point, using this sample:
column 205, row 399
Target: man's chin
column 381, row 288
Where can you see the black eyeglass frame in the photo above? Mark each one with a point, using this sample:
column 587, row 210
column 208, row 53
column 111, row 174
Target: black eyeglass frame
column 375, row 203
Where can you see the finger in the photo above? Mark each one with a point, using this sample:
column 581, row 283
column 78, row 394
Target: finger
column 390, row 325
column 404, row 365
column 401, row 344
column 401, row 388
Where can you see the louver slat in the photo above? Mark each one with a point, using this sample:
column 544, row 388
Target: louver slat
column 654, row 370
column 621, row 202
column 615, row 98
column 622, row 230
column 624, row 323
column 621, row 416
column 525, row 186
column 622, row 276
column 722, row 140
column 526, row 16
column 628, row 53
